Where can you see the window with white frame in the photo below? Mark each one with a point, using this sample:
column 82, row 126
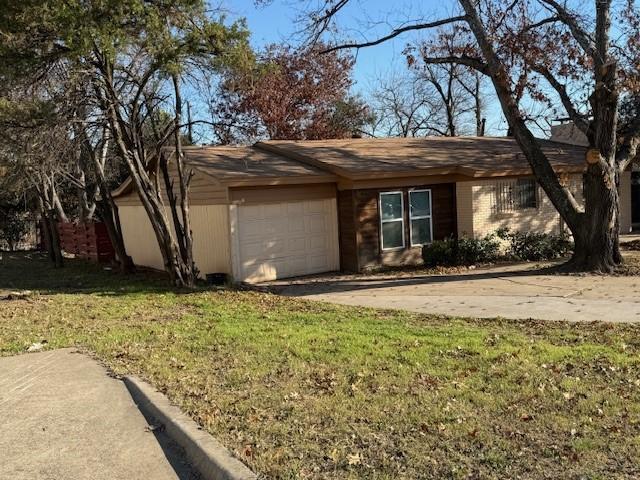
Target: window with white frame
column 392, row 220
column 420, row 219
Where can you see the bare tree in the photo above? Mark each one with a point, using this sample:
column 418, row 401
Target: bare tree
column 404, row 106
column 538, row 45
column 32, row 156
column 427, row 100
column 129, row 89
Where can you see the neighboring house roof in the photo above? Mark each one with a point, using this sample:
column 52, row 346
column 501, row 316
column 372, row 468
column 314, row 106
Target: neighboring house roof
column 568, row 133
column 294, row 162
column 471, row 156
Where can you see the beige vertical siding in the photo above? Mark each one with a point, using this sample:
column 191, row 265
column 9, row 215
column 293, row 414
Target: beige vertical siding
column 625, row 202
column 211, row 249
column 139, row 239
column 210, row 226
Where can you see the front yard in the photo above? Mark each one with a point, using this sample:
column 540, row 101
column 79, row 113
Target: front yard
column 308, row 390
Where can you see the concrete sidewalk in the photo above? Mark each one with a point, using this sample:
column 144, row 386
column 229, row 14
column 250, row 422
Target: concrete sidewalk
column 63, row 417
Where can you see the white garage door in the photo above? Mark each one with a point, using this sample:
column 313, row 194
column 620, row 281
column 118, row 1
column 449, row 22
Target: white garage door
column 285, row 240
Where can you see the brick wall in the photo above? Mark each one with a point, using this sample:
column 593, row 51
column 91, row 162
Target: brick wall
column 477, row 215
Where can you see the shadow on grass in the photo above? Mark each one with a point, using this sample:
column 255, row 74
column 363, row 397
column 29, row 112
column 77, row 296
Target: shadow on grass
column 33, row 271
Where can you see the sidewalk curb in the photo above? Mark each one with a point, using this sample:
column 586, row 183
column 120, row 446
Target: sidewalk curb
column 208, row 456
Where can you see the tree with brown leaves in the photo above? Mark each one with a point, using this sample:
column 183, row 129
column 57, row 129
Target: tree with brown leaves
column 290, row 95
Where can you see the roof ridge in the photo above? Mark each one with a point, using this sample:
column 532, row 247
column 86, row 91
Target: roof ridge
column 305, row 160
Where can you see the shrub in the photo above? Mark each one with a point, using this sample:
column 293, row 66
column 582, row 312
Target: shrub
column 14, row 227
column 463, row 251
column 538, row 246
column 478, row 250
column 518, row 246
column 440, row 253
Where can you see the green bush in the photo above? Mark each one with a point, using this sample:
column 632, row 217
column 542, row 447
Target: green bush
column 14, row 227
column 518, row 246
column 536, row 246
column 440, row 253
column 478, row 250
column 463, row 251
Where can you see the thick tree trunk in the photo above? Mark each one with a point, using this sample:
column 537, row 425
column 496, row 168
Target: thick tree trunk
column 184, row 180
column 597, row 239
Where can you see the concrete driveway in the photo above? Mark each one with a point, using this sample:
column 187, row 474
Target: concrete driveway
column 519, row 292
column 63, row 417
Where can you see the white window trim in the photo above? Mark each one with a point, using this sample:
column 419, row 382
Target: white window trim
column 401, row 220
column 421, row 217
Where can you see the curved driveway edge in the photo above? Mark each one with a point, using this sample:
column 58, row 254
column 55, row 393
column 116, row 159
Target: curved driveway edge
column 516, row 292
column 209, row 457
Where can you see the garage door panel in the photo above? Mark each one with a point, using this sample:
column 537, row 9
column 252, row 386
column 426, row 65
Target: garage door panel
column 317, row 206
column 297, row 245
column 296, row 224
column 317, row 243
column 287, row 239
column 315, row 223
column 297, row 265
column 253, row 228
column 251, row 270
column 253, row 212
column 318, row 262
column 273, row 211
column 295, row 208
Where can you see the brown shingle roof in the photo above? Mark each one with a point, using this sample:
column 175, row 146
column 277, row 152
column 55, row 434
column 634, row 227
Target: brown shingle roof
column 229, row 164
column 282, row 162
column 473, row 156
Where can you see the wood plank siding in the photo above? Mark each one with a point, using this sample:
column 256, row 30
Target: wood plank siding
column 359, row 217
column 347, row 231
column 281, row 193
column 203, row 190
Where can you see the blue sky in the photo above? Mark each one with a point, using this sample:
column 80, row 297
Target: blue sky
column 277, row 23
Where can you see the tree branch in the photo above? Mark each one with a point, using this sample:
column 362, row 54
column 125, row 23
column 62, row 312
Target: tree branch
column 471, row 62
column 397, row 31
column 580, row 34
column 579, row 120
column 630, row 148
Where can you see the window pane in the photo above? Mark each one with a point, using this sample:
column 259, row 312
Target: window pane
column 420, row 204
column 391, row 206
column 392, row 235
column 527, row 197
column 420, row 231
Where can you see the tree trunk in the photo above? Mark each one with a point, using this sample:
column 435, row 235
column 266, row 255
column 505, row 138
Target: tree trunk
column 184, row 180
column 55, row 248
column 108, row 209
column 597, row 239
column 46, row 234
column 125, row 262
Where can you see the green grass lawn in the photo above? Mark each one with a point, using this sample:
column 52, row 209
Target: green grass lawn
column 309, row 390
